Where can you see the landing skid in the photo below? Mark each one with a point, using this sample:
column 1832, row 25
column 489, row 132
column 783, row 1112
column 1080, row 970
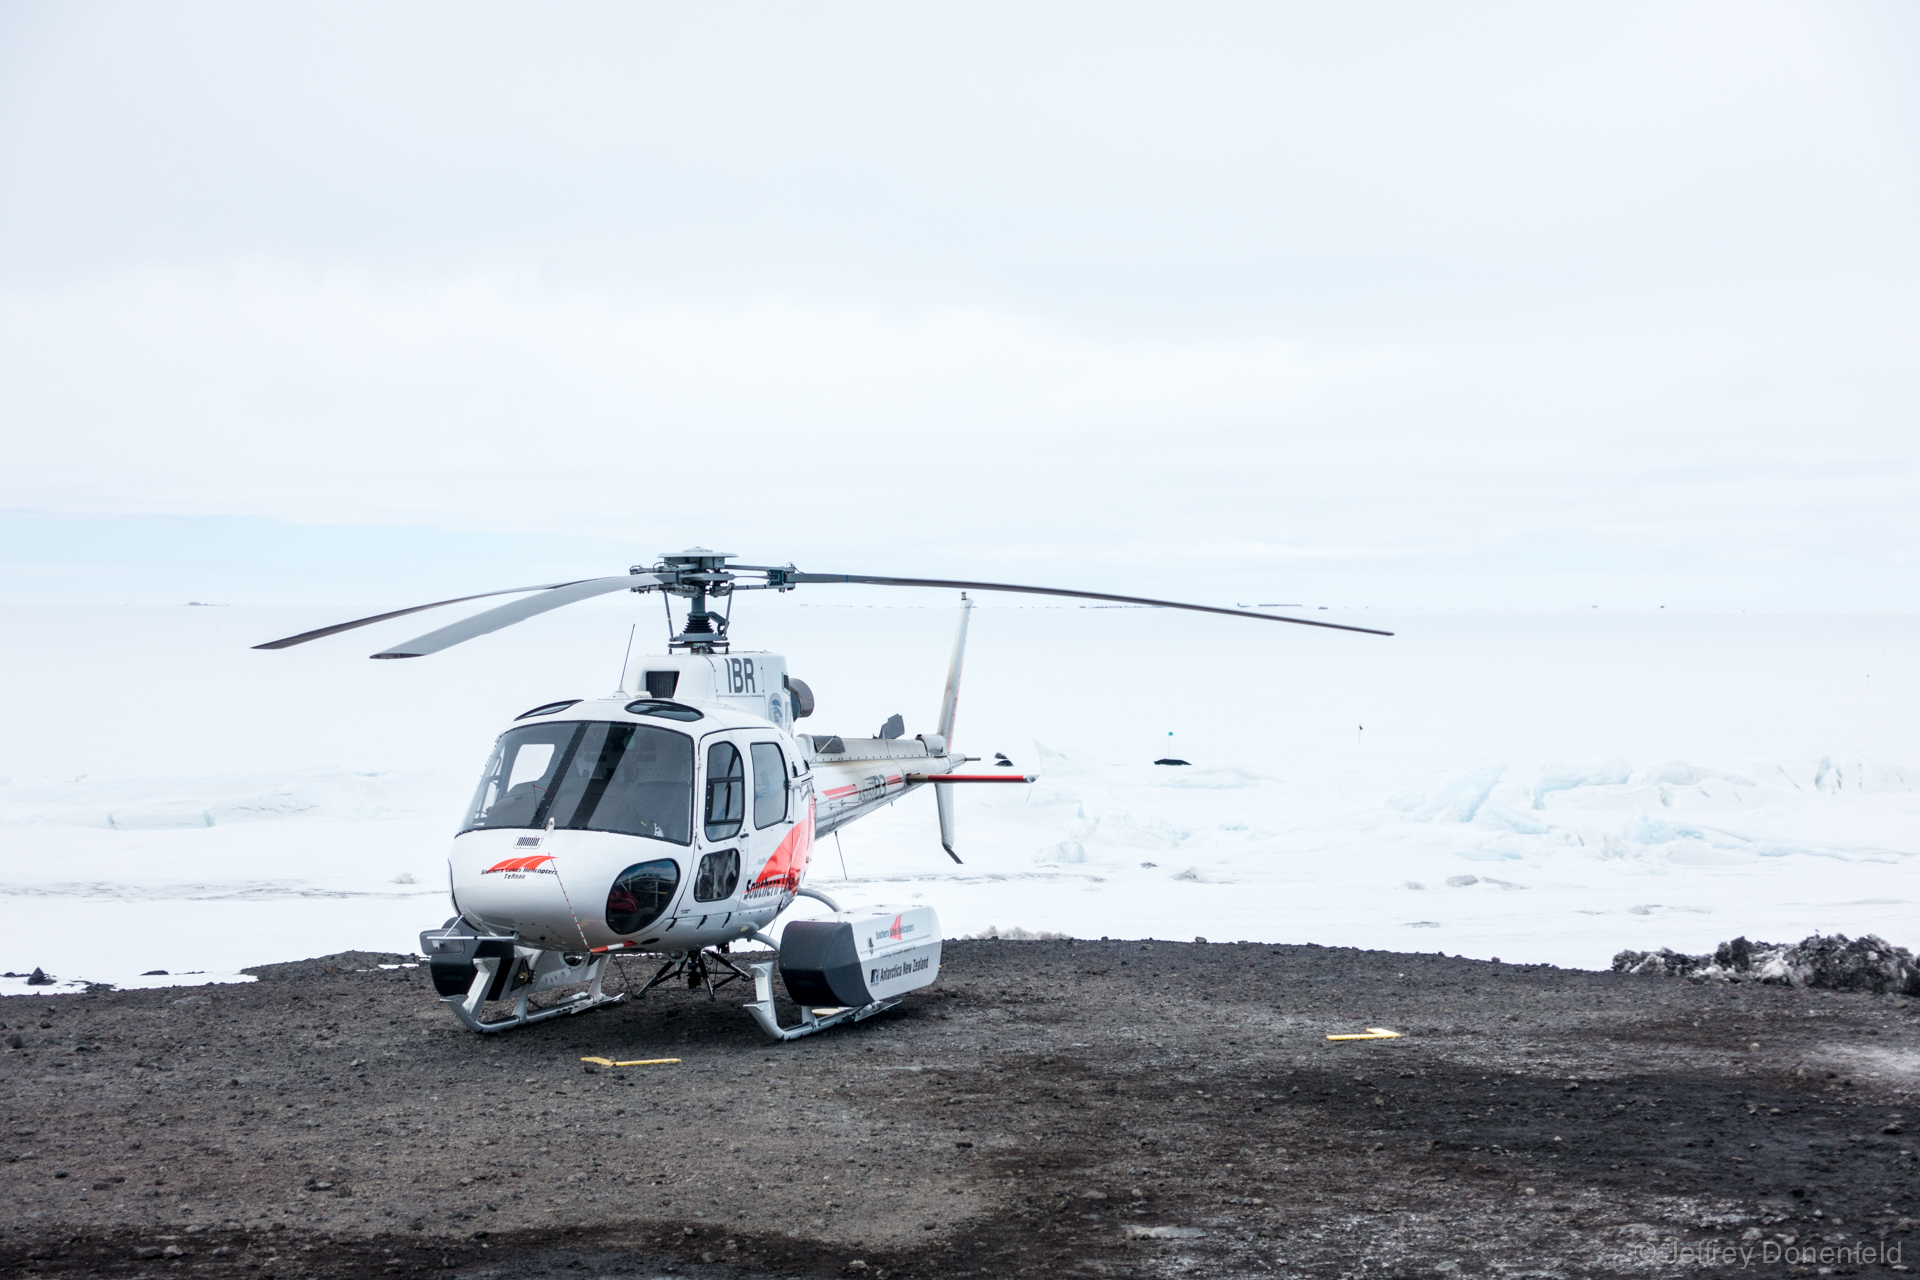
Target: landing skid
column 467, row 1007
column 811, row 1020
column 504, row 970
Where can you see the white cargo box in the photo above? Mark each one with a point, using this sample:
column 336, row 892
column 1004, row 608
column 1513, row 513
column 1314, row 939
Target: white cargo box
column 855, row 958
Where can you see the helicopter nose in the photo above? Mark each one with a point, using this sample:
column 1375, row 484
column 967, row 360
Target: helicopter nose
column 515, row 883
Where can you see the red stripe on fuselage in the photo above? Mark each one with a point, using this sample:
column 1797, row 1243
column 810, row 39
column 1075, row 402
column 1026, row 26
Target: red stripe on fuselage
column 789, row 861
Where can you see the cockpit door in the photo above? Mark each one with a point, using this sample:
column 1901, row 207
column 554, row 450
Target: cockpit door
column 782, row 823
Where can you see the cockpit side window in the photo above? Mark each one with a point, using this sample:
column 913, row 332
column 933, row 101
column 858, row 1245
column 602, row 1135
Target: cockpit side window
column 519, row 776
column 726, row 791
column 769, row 785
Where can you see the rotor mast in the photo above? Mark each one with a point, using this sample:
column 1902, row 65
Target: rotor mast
column 697, row 574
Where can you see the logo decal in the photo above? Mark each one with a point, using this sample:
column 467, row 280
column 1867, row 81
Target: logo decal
column 788, row 863
column 894, row 932
column 533, row 863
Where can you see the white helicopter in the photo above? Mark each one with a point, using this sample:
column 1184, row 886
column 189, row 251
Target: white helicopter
column 677, row 815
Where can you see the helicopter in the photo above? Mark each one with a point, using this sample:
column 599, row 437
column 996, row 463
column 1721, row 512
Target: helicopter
column 677, row 816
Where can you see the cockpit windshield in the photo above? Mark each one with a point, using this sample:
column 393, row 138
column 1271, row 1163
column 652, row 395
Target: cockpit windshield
column 591, row 775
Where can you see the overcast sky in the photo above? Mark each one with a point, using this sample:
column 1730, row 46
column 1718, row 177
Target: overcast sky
column 1403, row 304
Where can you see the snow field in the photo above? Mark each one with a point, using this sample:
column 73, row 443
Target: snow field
column 1542, row 787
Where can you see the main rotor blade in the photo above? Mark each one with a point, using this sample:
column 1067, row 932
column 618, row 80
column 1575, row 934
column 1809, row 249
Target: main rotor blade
column 324, row 632
column 519, row 611
column 1081, row 595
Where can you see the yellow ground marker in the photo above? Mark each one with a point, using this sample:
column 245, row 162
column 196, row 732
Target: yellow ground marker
column 1373, row 1033
column 637, row 1062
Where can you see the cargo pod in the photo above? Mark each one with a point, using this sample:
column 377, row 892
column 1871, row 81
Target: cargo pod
column 848, row 967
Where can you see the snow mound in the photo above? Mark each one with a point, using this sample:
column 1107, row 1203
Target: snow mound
column 1825, row 775
column 172, row 804
column 1128, row 828
column 1067, row 851
column 1214, row 780
column 1572, row 777
column 1501, row 818
column 1832, row 777
column 1647, row 829
column 1678, row 773
column 1831, row 963
column 1458, row 800
column 201, row 891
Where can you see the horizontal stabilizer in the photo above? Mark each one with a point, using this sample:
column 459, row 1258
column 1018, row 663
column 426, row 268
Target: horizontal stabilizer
column 973, row 777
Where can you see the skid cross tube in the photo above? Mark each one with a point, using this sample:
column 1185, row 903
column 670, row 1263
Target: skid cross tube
column 468, row 1007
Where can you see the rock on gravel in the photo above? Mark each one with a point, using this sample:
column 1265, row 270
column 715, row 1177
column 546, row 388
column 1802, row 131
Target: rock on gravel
column 1830, row 962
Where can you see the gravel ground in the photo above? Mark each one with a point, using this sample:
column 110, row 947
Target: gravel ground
column 1048, row 1108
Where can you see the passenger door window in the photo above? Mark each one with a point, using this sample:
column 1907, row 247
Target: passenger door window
column 718, row 877
column 726, row 791
column 769, row 785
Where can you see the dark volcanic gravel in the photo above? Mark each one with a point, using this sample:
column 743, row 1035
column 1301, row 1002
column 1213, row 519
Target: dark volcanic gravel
column 1047, row 1108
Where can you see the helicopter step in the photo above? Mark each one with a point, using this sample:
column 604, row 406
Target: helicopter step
column 847, row 968
column 470, row 969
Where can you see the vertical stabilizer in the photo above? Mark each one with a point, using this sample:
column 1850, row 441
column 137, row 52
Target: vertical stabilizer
column 942, row 791
column 951, row 698
column 943, row 800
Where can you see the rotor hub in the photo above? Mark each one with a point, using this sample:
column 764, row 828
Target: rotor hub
column 695, row 573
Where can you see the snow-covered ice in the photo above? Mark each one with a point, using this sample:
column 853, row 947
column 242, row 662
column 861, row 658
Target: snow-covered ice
column 1538, row 786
